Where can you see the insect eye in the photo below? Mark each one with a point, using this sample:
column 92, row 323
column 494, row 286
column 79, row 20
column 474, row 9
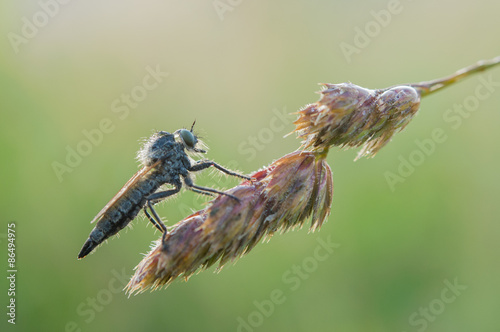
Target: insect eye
column 188, row 138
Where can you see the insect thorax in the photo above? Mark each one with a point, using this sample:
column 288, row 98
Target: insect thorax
column 159, row 146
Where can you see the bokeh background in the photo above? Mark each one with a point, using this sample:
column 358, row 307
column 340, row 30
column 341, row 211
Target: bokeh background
column 236, row 67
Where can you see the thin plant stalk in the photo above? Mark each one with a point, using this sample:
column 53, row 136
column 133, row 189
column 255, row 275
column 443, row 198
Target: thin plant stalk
column 427, row 87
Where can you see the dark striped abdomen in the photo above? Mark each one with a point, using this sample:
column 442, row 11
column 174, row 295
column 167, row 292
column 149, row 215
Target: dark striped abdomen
column 122, row 211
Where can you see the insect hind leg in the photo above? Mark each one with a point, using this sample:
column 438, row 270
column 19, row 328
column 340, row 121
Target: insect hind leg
column 155, row 198
column 154, row 220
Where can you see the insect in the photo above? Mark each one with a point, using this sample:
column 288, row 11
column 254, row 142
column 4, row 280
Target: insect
column 164, row 161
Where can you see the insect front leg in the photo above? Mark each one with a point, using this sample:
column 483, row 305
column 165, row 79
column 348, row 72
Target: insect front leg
column 207, row 163
column 153, row 199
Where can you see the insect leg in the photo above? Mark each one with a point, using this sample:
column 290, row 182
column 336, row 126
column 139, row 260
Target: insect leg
column 200, row 192
column 154, row 198
column 153, row 221
column 204, row 190
column 207, row 163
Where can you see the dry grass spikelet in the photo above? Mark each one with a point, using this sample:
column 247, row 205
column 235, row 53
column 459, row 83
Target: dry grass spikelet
column 348, row 115
column 282, row 196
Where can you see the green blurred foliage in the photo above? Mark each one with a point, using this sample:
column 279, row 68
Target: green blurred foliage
column 396, row 247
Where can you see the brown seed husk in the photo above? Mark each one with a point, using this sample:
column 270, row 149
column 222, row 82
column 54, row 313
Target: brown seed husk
column 282, row 196
column 348, row 116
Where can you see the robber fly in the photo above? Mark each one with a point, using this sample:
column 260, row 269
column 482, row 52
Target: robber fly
column 164, row 161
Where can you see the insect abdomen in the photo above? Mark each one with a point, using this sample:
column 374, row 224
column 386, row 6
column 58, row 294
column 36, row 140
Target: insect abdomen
column 120, row 213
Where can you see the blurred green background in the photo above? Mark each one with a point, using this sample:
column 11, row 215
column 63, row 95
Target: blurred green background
column 233, row 66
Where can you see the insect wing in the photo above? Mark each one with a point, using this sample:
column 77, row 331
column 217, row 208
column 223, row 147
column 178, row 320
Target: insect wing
column 130, row 183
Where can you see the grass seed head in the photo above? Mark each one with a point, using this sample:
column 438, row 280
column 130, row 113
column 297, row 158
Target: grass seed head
column 283, row 196
column 350, row 116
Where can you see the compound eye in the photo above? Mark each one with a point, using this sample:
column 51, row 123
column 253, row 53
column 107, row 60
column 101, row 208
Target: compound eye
column 188, row 138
